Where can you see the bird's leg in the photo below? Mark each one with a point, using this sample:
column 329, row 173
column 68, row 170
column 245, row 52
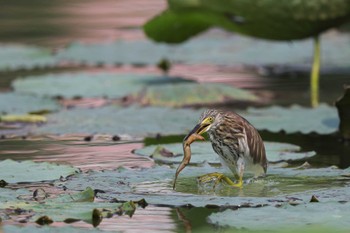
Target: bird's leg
column 219, row 177
column 238, row 184
column 315, row 73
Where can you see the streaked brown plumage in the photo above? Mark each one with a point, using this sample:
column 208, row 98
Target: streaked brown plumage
column 236, row 141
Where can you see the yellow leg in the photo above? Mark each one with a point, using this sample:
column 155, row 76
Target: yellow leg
column 218, row 177
column 315, row 73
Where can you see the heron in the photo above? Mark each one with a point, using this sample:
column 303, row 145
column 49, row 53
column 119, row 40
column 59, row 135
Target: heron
column 236, row 141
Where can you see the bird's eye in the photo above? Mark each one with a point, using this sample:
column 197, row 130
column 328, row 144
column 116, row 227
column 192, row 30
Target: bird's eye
column 211, row 119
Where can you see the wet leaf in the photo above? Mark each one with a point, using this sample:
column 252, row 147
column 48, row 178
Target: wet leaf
column 15, row 57
column 28, row 171
column 15, row 103
column 329, row 215
column 203, row 152
column 146, row 90
column 343, row 106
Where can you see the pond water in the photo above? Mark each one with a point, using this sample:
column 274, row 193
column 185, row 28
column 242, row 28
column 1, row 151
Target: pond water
column 57, row 24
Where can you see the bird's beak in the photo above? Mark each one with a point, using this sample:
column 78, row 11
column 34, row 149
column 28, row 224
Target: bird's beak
column 199, row 128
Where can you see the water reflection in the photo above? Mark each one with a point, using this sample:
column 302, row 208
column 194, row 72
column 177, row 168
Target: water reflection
column 81, row 154
column 151, row 219
column 57, row 23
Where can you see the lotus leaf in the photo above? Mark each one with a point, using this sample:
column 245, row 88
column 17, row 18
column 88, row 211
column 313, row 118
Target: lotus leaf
column 95, row 85
column 14, row 57
column 14, row 103
column 28, row 171
column 155, row 186
column 150, row 90
column 330, row 215
column 135, row 121
column 203, row 152
column 215, row 48
column 72, row 207
column 322, row 120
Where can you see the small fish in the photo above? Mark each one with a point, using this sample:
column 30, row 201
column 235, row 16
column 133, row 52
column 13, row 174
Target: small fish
column 187, row 153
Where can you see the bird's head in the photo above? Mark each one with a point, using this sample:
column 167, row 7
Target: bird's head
column 209, row 118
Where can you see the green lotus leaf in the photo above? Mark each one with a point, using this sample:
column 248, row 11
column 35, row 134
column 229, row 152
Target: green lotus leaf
column 14, row 57
column 203, row 152
column 29, row 171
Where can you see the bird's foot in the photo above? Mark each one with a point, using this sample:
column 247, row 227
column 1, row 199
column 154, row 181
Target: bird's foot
column 217, row 178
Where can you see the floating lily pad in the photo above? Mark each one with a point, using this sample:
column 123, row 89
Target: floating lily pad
column 203, row 152
column 216, row 48
column 322, row 120
column 14, row 57
column 150, row 90
column 330, row 215
column 155, row 186
column 28, row 171
column 134, row 121
column 14, row 103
